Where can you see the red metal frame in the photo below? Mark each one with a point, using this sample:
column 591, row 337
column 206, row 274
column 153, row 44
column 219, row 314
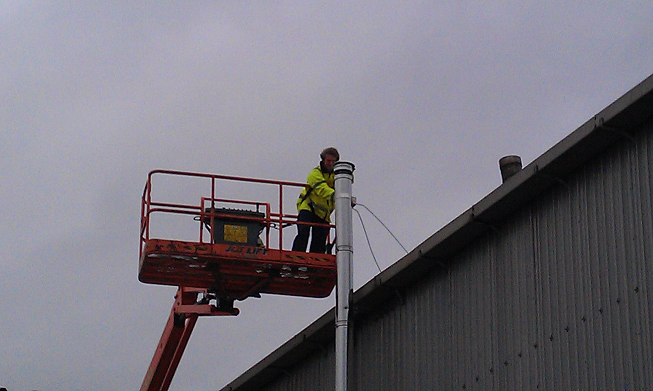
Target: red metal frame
column 234, row 271
column 176, row 334
column 220, row 273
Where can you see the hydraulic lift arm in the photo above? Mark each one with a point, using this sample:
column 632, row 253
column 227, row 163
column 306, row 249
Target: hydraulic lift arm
column 176, row 334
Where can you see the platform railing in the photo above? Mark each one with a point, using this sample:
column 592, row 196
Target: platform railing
column 274, row 215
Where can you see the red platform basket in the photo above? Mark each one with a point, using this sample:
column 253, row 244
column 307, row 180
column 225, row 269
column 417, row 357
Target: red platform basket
column 236, row 261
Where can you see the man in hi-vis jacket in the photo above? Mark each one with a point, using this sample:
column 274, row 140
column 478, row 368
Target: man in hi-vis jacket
column 316, row 203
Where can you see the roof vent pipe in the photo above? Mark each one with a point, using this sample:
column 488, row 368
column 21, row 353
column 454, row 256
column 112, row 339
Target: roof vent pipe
column 509, row 166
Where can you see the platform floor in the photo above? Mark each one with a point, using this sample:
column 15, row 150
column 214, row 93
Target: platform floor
column 237, row 271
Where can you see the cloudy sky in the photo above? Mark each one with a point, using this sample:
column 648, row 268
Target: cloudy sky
column 423, row 96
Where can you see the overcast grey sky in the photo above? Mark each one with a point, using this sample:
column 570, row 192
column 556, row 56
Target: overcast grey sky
column 423, row 96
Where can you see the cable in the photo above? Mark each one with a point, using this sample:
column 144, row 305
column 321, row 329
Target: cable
column 379, row 220
column 368, row 240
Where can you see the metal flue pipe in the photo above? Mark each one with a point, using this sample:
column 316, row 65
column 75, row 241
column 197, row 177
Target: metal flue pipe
column 344, row 178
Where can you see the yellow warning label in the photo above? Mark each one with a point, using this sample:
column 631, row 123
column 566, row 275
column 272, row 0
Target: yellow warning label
column 235, row 233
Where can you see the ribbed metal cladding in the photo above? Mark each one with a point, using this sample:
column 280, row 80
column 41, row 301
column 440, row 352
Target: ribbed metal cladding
column 593, row 259
column 316, row 373
column 557, row 297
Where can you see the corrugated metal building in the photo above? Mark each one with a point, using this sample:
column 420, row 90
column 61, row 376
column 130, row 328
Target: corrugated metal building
column 546, row 283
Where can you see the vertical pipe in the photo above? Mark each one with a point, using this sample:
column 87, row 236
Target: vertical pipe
column 344, row 177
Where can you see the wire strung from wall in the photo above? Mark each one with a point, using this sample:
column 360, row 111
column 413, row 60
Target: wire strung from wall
column 368, row 240
column 384, row 226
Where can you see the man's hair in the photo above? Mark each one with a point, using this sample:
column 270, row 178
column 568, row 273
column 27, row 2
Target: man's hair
column 330, row 151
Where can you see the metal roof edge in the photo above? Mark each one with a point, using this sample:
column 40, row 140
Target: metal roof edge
column 616, row 121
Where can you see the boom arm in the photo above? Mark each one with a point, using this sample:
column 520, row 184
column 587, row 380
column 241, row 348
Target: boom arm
column 176, row 334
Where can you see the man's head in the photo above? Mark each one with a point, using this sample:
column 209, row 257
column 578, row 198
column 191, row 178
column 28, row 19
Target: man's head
column 329, row 157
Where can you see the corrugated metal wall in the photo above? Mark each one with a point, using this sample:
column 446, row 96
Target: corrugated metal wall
column 558, row 297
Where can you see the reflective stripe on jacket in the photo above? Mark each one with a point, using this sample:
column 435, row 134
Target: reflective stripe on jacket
column 319, row 197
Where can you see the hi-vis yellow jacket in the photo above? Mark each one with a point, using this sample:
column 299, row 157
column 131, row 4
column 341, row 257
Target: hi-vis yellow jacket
column 318, row 198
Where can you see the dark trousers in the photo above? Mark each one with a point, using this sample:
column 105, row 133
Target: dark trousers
column 318, row 235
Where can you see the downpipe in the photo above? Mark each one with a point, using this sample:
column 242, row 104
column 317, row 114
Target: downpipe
column 344, row 178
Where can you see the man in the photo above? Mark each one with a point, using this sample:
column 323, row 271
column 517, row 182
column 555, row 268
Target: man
column 316, row 203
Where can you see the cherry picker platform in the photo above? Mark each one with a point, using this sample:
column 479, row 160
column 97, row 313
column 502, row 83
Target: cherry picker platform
column 242, row 255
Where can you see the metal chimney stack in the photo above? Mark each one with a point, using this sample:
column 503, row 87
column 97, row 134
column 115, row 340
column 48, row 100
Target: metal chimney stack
column 344, row 178
column 509, row 166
